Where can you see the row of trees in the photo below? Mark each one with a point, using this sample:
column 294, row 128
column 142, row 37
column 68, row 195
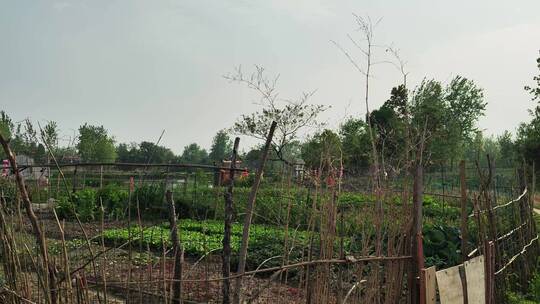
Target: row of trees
column 95, row 144
column 444, row 116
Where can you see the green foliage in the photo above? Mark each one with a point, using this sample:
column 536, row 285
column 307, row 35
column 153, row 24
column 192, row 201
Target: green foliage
column 535, row 89
column 355, row 143
column 55, row 246
column 441, row 245
column 322, row 147
column 200, row 237
column 221, row 147
column 22, row 137
column 65, row 208
column 507, row 149
column 534, row 287
column 450, row 115
column 291, row 116
column 434, row 211
column 149, row 196
column 515, row 298
column 8, row 190
column 528, row 135
column 6, row 125
column 95, row 145
column 85, row 204
column 145, row 152
column 355, row 199
column 115, row 200
column 533, row 292
column 389, row 123
column 194, row 154
column 50, row 135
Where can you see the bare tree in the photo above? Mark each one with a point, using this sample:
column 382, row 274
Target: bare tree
column 291, row 115
column 365, row 26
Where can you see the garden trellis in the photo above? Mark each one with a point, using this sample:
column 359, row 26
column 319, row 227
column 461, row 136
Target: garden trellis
column 313, row 237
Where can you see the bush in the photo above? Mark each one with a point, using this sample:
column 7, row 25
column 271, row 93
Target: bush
column 442, row 245
column 65, row 208
column 534, row 287
column 84, row 204
column 149, row 196
column 115, row 200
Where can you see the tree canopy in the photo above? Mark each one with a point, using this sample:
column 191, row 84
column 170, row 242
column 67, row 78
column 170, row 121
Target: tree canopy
column 194, row 154
column 528, row 134
column 221, row 147
column 95, row 145
column 145, row 152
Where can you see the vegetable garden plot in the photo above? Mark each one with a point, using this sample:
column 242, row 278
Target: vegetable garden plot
column 310, row 239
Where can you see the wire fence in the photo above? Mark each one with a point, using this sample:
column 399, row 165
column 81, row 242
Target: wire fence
column 320, row 236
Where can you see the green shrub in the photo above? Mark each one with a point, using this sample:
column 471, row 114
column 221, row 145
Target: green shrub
column 515, row 298
column 115, row 200
column 534, row 287
column 441, row 245
column 150, row 197
column 65, row 208
column 83, row 204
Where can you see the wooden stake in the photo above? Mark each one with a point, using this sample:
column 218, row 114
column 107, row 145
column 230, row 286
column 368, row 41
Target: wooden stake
column 249, row 213
column 177, row 249
column 226, row 257
column 418, row 251
column 38, row 233
column 464, row 215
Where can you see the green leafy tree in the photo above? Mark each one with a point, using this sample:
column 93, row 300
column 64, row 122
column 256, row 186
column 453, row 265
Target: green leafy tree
column 528, row 134
column 389, row 123
column 124, row 152
column 194, row 154
column 322, row 148
column 446, row 117
column 6, row 124
column 150, row 152
column 355, row 144
column 535, row 89
column 95, row 145
column 507, row 149
column 6, row 128
column 50, row 134
column 221, row 147
column 477, row 149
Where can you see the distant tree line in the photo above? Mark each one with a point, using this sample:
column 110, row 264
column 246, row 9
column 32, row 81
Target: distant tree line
column 445, row 114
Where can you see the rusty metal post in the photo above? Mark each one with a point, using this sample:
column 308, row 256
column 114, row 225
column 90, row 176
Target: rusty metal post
column 418, row 292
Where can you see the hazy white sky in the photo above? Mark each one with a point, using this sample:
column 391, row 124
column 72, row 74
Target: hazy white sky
column 138, row 67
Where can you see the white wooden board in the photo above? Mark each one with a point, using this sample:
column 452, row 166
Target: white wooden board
column 476, row 284
column 450, row 287
column 431, row 285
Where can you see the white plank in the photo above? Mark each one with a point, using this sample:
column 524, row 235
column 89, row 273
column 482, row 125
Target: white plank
column 450, row 287
column 476, row 284
column 431, row 285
